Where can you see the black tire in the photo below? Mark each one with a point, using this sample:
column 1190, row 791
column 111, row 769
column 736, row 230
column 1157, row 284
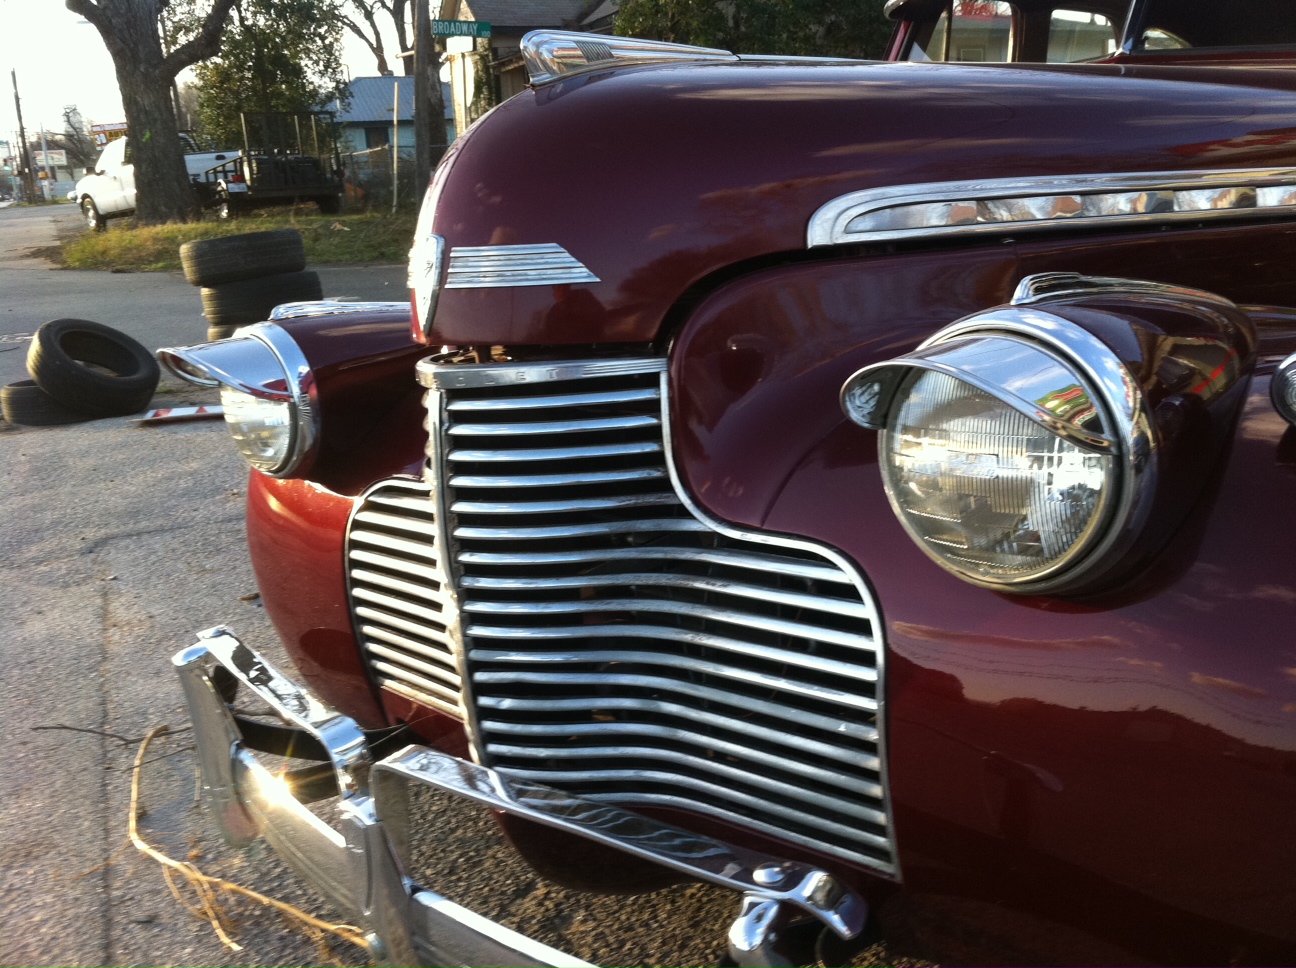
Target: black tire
column 329, row 204
column 220, row 332
column 250, row 300
column 26, row 403
column 94, row 221
column 61, row 356
column 212, row 262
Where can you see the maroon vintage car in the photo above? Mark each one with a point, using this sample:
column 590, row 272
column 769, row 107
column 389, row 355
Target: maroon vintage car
column 824, row 479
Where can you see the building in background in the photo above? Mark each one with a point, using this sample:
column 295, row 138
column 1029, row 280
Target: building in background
column 376, row 120
column 486, row 71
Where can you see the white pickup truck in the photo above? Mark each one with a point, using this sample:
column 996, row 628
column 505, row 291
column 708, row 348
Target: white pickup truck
column 109, row 192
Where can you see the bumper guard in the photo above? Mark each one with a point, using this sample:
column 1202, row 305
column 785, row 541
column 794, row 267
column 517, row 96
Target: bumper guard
column 357, row 861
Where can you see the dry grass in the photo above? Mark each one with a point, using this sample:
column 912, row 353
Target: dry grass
column 330, row 240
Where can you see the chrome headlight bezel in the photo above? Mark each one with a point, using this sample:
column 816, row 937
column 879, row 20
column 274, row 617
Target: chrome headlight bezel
column 1126, row 435
column 426, row 263
column 1282, row 389
column 265, row 363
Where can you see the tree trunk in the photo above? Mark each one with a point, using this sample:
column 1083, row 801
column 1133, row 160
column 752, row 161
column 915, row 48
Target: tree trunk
column 131, row 33
column 163, row 192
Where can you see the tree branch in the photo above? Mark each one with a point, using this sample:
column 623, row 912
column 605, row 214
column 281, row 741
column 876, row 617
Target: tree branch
column 88, row 9
column 102, row 21
column 202, row 45
column 376, row 49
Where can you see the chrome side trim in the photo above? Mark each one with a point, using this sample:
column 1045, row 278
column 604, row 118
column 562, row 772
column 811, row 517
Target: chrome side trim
column 551, row 54
column 1043, row 287
column 497, row 266
column 334, row 307
column 999, row 205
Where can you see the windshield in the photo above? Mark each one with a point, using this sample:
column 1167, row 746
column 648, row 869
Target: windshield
column 1181, row 24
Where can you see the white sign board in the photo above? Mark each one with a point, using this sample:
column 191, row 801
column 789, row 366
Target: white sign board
column 57, row 158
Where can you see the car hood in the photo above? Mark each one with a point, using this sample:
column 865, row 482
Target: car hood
column 662, row 181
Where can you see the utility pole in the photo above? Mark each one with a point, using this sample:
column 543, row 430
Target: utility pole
column 47, row 187
column 29, row 189
column 395, row 144
column 429, row 111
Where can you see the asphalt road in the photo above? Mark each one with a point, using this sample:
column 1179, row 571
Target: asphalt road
column 157, row 308
column 117, row 543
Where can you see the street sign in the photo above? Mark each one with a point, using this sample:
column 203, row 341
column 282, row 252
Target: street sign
column 461, row 28
column 57, row 158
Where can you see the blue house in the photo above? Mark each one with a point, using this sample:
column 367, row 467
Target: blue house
column 376, row 116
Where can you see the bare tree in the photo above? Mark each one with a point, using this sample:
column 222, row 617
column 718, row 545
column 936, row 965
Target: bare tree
column 369, row 13
column 131, row 31
column 81, row 149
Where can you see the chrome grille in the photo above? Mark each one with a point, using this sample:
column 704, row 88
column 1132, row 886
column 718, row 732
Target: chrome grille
column 618, row 643
column 402, row 608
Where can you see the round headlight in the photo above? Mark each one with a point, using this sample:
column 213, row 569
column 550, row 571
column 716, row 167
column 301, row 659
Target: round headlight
column 262, row 429
column 1008, row 447
column 984, row 489
column 1282, row 389
column 267, row 392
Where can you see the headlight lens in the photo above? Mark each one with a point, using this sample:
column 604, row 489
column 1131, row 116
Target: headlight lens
column 1004, row 448
column 267, row 389
column 984, row 489
column 262, row 429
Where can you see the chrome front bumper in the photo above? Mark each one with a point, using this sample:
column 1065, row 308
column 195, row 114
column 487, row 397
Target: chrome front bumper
column 357, row 861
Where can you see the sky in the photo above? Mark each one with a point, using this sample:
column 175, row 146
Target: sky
column 61, row 60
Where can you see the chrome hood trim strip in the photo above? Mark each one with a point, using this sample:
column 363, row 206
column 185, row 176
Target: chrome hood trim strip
column 999, row 205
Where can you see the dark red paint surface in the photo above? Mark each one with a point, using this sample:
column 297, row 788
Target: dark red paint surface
column 295, row 534
column 370, row 427
column 370, row 405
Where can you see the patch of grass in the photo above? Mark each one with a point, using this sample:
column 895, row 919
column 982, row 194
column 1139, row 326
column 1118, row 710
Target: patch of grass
column 329, row 239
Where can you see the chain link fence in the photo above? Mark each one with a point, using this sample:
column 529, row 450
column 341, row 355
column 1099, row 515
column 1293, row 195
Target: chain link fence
column 369, row 179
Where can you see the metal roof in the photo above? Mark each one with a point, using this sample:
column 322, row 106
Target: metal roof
column 371, row 100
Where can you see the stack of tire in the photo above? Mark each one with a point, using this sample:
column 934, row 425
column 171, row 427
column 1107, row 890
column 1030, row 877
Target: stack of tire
column 245, row 276
column 80, row 370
